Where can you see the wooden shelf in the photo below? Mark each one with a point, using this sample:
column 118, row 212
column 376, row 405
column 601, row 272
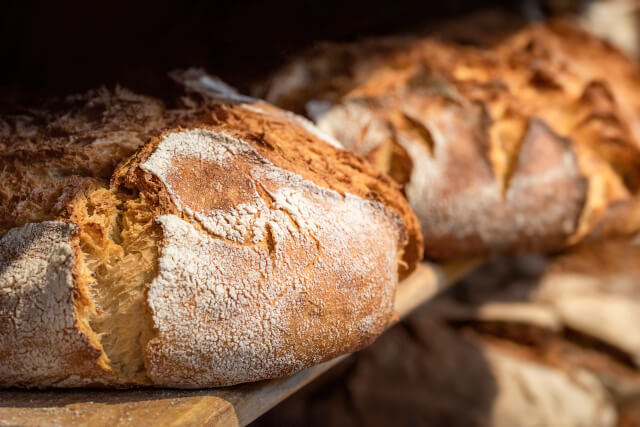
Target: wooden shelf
column 231, row 406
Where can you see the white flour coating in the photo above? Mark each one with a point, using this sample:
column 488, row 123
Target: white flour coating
column 206, row 146
column 477, row 206
column 39, row 340
column 454, row 192
column 193, row 144
column 245, row 221
column 313, row 277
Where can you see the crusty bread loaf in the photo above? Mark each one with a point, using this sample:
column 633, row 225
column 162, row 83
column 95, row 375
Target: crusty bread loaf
column 231, row 243
column 530, row 144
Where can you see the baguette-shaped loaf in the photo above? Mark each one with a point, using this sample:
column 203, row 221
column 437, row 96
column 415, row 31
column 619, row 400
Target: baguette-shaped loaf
column 207, row 245
column 530, row 144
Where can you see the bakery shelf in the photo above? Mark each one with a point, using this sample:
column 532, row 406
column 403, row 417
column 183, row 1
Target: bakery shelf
column 230, row 406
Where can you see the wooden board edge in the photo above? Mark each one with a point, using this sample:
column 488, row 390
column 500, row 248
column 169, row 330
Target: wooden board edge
column 230, row 406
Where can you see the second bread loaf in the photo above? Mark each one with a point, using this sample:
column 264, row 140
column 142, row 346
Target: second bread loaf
column 530, row 144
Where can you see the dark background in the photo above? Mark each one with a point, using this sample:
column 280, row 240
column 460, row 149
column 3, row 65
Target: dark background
column 56, row 48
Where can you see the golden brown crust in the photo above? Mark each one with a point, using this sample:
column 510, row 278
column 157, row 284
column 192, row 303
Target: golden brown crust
column 486, row 105
column 279, row 137
column 47, row 155
column 296, row 246
column 289, row 146
column 272, row 294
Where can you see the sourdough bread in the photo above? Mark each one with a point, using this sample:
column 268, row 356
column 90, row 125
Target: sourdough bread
column 218, row 242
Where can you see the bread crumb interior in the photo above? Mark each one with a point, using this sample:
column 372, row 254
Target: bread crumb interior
column 119, row 244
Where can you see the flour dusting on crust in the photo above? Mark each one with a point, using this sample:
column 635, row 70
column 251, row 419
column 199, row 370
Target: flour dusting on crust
column 39, row 337
column 288, row 274
column 458, row 210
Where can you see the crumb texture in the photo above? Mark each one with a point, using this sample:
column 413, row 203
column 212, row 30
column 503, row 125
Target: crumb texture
column 118, row 242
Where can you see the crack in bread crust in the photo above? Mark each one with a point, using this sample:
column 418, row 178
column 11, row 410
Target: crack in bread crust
column 252, row 251
column 255, row 308
column 481, row 105
column 119, row 241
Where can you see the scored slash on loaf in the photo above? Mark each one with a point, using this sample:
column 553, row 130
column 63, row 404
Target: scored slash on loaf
column 238, row 243
column 527, row 143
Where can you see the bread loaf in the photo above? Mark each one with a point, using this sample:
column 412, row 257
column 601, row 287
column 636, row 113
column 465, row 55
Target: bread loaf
column 219, row 242
column 529, row 144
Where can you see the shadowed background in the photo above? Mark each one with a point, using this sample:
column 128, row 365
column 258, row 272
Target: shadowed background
column 56, row 48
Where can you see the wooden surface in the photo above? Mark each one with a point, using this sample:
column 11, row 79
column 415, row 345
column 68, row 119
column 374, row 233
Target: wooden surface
column 238, row 405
